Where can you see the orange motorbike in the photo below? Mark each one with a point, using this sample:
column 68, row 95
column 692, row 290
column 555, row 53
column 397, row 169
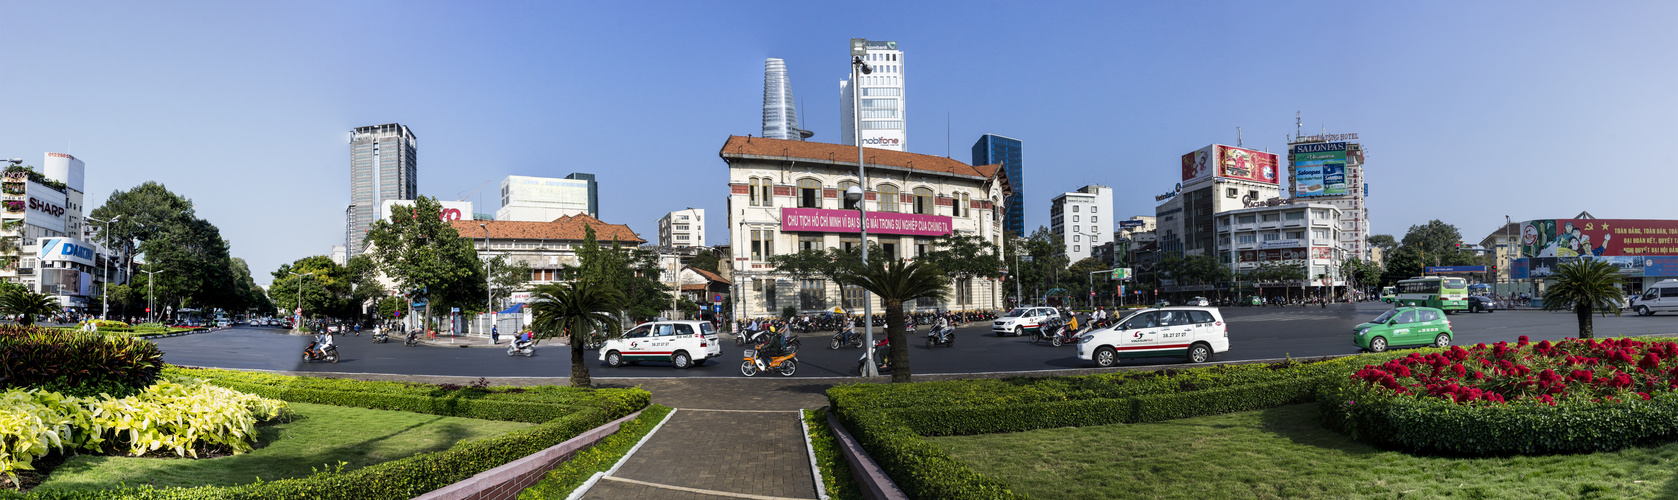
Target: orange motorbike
column 763, row 359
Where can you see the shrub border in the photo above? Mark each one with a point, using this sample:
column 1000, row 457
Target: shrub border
column 563, row 481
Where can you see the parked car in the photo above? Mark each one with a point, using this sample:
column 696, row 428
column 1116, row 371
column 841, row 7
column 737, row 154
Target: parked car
column 1477, row 303
column 1660, row 297
column 684, row 344
column 1404, row 326
column 1019, row 318
column 1199, row 301
column 1196, row 333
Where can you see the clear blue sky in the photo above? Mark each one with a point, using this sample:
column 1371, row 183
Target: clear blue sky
column 1469, row 111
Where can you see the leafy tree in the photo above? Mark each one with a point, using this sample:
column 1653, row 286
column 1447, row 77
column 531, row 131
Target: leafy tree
column 419, row 251
column 506, row 276
column 896, row 282
column 964, row 257
column 632, row 272
column 1385, row 242
column 26, row 304
column 578, row 309
column 1082, row 270
column 704, row 259
column 323, row 285
column 196, row 269
column 1431, row 244
column 1586, row 286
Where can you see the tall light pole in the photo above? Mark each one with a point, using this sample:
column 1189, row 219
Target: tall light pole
column 489, row 281
column 151, row 300
column 104, row 273
column 859, row 48
column 297, row 325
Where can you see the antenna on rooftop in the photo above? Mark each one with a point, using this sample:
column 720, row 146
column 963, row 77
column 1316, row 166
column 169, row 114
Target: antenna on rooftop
column 1238, row 137
column 1298, row 125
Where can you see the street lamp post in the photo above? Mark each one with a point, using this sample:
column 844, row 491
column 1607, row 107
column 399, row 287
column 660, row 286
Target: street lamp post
column 104, row 273
column 859, row 48
column 297, row 325
column 151, row 300
column 489, row 280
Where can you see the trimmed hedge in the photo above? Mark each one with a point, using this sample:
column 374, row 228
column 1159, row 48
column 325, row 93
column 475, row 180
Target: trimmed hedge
column 836, row 472
column 580, row 410
column 560, row 482
column 75, row 364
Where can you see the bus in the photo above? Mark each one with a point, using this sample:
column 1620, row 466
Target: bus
column 1447, row 294
column 1389, row 294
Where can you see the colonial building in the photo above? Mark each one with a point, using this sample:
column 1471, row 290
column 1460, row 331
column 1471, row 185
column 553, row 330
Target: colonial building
column 786, row 196
column 547, row 247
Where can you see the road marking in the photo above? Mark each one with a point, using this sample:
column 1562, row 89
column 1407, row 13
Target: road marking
column 745, row 411
column 699, row 491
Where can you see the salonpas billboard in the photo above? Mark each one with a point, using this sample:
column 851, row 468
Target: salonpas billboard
column 1319, row 169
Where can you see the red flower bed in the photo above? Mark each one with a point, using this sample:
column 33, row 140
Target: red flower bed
column 1572, row 369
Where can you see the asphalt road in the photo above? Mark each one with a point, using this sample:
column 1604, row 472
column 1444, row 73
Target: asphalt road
column 1255, row 333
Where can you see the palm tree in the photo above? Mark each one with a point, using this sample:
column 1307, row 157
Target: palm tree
column 1586, row 286
column 581, row 308
column 896, row 283
column 20, row 301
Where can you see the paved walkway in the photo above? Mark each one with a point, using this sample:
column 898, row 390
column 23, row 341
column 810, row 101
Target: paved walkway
column 706, row 454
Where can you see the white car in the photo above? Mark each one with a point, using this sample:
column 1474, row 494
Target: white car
column 1011, row 323
column 1660, row 297
column 1199, row 301
column 684, row 344
column 1195, row 333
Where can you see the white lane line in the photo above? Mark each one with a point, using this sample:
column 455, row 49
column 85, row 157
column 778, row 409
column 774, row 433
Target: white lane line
column 583, row 489
column 701, row 491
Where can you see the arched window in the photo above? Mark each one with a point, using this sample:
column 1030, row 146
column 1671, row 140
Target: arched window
column 844, row 186
column 888, row 198
column 923, row 201
column 809, row 193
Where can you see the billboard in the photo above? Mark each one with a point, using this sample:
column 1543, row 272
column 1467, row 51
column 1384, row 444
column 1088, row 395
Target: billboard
column 452, row 210
column 1199, row 164
column 845, row 221
column 66, row 249
column 1564, row 238
column 44, row 207
column 1319, row 169
column 1246, row 164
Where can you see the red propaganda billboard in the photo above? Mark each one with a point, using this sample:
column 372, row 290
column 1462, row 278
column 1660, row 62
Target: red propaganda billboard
column 1247, row 164
column 1599, row 238
column 845, row 221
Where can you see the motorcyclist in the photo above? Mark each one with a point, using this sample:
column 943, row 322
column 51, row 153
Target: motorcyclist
column 942, row 326
column 322, row 341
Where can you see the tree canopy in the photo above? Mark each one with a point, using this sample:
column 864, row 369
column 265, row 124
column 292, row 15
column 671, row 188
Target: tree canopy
column 427, row 257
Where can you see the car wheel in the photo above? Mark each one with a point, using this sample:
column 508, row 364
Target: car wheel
column 748, row 368
column 614, row 359
column 1378, row 344
column 1199, row 353
column 788, row 367
column 1644, row 311
column 1442, row 341
column 1106, row 357
column 681, row 360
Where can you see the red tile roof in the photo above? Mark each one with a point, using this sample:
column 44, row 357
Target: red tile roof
column 759, row 147
column 568, row 228
column 707, row 274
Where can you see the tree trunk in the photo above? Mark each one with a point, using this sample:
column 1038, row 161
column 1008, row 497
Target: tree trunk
column 579, row 366
column 899, row 341
column 1583, row 311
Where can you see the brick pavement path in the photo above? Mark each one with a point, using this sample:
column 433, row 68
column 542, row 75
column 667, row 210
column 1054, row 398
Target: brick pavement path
column 717, row 454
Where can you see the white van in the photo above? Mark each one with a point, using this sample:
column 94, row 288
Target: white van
column 1011, row 323
column 1195, row 333
column 1660, row 297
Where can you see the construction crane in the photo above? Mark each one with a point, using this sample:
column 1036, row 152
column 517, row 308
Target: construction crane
column 475, row 190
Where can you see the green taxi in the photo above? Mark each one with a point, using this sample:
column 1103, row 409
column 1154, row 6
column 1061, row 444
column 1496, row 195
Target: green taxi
column 1404, row 326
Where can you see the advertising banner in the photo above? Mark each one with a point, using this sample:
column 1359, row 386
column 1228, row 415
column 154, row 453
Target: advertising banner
column 1127, row 224
column 1319, row 169
column 451, row 210
column 1308, row 181
column 845, row 221
column 44, row 207
column 1322, row 253
column 1273, row 254
column 1281, row 244
column 66, row 249
column 1247, row 164
column 1518, row 269
column 1199, row 164
column 1453, row 269
column 1599, row 238
column 1660, row 267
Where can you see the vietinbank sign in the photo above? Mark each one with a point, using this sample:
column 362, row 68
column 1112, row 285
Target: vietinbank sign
column 66, row 249
column 845, row 221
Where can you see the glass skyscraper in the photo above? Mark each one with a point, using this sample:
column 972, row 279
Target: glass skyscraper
column 780, row 117
column 382, row 167
column 994, row 149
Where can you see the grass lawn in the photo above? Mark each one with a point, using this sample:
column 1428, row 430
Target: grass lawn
column 1284, row 453
column 318, row 438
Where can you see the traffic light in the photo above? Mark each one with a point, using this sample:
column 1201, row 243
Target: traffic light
column 1494, row 269
column 1459, row 246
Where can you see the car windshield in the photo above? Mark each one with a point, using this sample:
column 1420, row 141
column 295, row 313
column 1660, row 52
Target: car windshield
column 1014, row 313
column 1385, row 316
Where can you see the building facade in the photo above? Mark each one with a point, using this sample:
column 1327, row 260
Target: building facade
column 883, row 101
column 46, row 243
column 1298, row 233
column 787, row 196
column 1325, row 170
column 994, row 149
column 543, row 199
column 383, row 166
column 1216, row 179
column 547, row 247
column 682, row 228
column 1082, row 220
column 780, row 115
column 1644, row 250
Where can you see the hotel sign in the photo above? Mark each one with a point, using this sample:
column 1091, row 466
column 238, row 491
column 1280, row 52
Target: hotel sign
column 846, row 221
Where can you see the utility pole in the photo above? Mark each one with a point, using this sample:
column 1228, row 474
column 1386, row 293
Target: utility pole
column 859, row 48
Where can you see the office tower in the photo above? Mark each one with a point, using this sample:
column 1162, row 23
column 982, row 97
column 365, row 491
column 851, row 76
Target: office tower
column 383, row 166
column 1328, row 169
column 544, row 199
column 780, row 117
column 1082, row 219
column 682, row 228
column 994, row 149
column 882, row 100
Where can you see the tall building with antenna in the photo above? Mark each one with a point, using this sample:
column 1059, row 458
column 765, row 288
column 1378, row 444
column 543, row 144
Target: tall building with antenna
column 1328, row 168
column 780, row 116
column 383, row 166
column 883, row 111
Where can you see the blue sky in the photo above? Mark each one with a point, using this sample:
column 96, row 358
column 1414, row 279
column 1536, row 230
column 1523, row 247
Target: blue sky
column 1468, row 111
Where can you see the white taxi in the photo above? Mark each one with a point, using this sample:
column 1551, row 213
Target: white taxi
column 1020, row 318
column 1195, row 333
column 684, row 344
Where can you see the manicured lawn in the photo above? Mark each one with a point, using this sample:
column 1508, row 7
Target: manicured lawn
column 1284, row 453
column 319, row 438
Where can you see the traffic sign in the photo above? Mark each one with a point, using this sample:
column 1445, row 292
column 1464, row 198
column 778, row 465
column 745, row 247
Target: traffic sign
column 1121, row 273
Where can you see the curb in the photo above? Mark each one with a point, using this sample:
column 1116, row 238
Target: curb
column 876, row 485
column 505, row 482
column 176, row 334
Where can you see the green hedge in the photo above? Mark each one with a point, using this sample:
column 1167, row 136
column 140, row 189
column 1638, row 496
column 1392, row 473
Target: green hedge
column 890, row 420
column 560, row 482
column 836, row 472
column 580, row 410
column 74, row 363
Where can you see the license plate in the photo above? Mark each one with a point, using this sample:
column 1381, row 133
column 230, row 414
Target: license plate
column 751, row 353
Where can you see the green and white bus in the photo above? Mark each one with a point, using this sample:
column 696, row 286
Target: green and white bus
column 1447, row 294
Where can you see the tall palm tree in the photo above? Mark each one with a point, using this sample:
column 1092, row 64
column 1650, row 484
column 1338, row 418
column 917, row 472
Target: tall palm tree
column 19, row 300
column 580, row 308
column 896, row 282
column 1586, row 286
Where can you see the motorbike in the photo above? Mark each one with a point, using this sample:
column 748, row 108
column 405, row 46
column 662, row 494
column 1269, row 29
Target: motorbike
column 941, row 336
column 882, row 357
column 845, row 337
column 1047, row 330
column 328, row 354
column 761, row 358
column 413, row 338
column 1065, row 334
column 750, row 336
column 380, row 337
column 525, row 347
